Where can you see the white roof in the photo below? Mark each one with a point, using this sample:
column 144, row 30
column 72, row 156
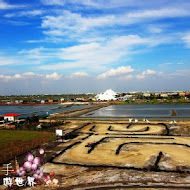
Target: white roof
column 107, row 95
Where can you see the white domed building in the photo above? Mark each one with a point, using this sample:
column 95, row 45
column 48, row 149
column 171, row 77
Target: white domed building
column 107, row 95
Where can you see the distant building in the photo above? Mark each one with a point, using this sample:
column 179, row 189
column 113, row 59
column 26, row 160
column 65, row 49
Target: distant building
column 11, row 116
column 156, row 94
column 126, row 97
column 42, row 101
column 107, row 95
column 16, row 101
column 50, row 101
column 182, row 94
column 79, row 99
column 147, row 95
column 172, row 94
column 62, row 99
column 164, row 95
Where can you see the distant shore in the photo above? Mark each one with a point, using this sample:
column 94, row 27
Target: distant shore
column 28, row 104
column 79, row 103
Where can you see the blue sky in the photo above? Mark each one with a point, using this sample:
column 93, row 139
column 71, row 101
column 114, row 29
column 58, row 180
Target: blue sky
column 76, row 46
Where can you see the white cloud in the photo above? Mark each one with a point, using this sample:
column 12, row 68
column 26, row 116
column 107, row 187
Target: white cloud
column 116, row 72
column 59, row 66
column 165, row 64
column 4, row 5
column 17, row 76
column 79, row 74
column 127, row 41
column 68, row 22
column 155, row 29
column 30, row 75
column 159, row 13
column 127, row 77
column 180, row 73
column 110, row 4
column 146, row 73
column 7, row 61
column 53, row 2
column 53, row 76
column 8, row 77
column 25, row 13
column 39, row 53
column 186, row 39
column 97, row 56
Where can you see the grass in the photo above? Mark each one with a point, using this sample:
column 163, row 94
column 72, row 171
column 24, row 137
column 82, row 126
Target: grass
column 155, row 101
column 11, row 136
column 14, row 143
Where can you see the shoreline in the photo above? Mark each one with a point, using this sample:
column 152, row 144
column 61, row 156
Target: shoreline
column 30, row 104
column 77, row 112
column 79, row 103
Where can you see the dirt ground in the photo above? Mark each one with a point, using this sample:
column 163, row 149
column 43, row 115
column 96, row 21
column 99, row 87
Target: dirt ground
column 150, row 155
column 120, row 155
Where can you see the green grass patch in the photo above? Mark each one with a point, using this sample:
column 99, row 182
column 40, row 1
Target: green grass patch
column 7, row 136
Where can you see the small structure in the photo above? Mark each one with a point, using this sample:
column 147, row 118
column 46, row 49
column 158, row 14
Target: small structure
column 182, row 94
column 147, row 95
column 11, row 116
column 126, row 97
column 59, row 132
column 62, row 99
column 42, row 101
column 164, row 95
column 50, row 101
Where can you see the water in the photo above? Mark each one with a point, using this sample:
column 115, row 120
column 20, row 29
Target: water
column 182, row 110
column 38, row 110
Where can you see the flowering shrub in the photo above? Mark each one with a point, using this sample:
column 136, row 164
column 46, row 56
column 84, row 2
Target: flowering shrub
column 32, row 165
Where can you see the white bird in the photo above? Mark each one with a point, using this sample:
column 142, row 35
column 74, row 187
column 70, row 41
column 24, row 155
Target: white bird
column 147, row 121
column 136, row 120
column 175, row 121
column 144, row 119
column 130, row 120
column 171, row 122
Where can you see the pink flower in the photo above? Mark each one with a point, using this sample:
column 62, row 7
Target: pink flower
column 30, row 157
column 27, row 165
column 38, row 174
column 34, row 167
column 21, row 171
column 41, row 151
column 46, row 178
column 37, row 161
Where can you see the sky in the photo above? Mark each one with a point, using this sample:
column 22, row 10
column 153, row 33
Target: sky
column 89, row 46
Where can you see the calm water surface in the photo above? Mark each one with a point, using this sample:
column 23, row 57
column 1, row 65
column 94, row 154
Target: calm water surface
column 39, row 110
column 141, row 111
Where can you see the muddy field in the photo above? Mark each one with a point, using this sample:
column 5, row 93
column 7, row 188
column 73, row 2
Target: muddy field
column 114, row 155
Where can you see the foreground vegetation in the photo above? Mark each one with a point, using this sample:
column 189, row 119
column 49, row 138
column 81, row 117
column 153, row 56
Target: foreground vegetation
column 13, row 142
column 7, row 136
column 155, row 101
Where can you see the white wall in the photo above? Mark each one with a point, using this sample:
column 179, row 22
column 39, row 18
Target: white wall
column 10, row 118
